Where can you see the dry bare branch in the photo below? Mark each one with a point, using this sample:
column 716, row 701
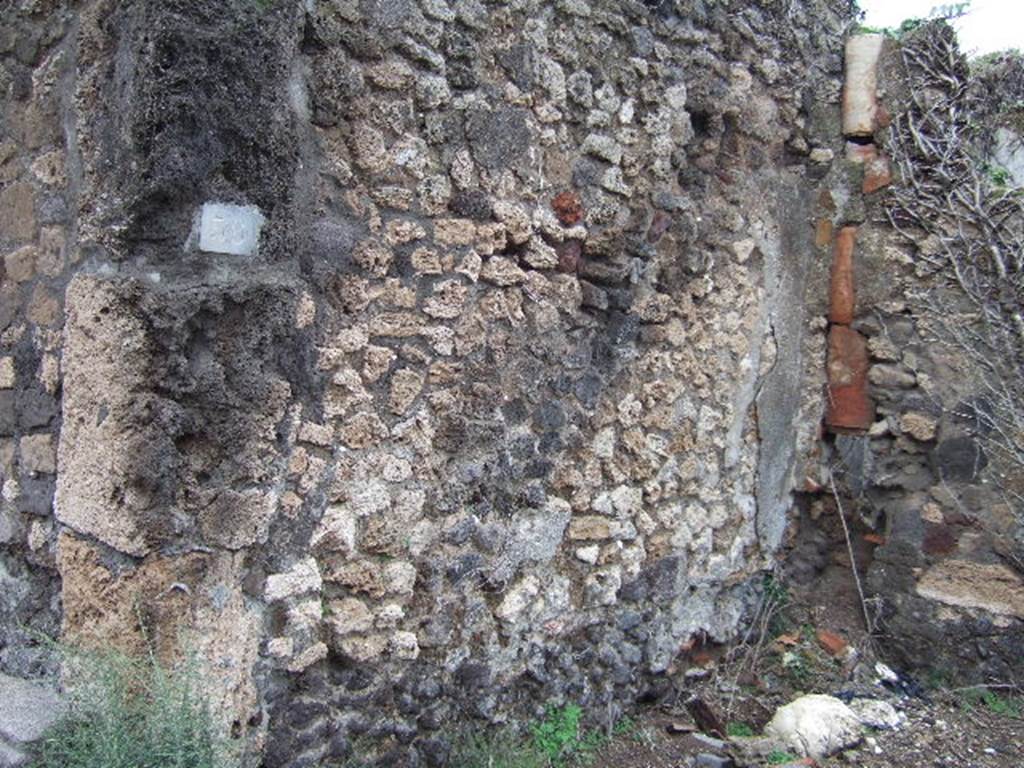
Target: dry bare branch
column 966, row 223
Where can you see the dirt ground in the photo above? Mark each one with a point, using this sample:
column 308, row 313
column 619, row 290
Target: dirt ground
column 811, row 638
column 938, row 732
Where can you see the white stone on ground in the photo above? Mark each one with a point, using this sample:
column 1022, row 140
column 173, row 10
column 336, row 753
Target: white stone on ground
column 27, row 710
column 877, row 714
column 815, row 726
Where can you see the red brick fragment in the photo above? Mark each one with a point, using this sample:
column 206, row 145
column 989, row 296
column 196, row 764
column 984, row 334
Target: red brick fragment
column 831, row 642
column 568, row 208
column 939, row 539
column 823, row 233
column 883, row 118
column 702, row 658
column 849, row 407
column 842, row 291
column 568, row 256
column 877, row 174
column 812, row 486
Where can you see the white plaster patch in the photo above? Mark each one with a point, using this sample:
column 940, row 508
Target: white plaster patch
column 1009, row 154
column 231, row 229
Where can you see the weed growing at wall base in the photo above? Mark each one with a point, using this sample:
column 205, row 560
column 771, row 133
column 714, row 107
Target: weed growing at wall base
column 557, row 741
column 998, row 705
column 131, row 713
column 734, row 729
column 778, row 757
column 501, row 751
column 559, row 732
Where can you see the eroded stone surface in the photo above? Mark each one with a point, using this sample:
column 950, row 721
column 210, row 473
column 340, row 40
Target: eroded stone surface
column 173, row 605
column 1009, row 153
column 27, row 709
column 877, row 714
column 303, row 577
column 152, row 441
column 496, row 429
column 991, row 587
column 104, row 364
column 13, row 758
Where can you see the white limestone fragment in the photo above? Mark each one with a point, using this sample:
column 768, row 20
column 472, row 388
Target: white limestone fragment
column 404, row 645
column 518, row 598
column 815, row 726
column 880, row 715
column 303, row 577
column 7, row 374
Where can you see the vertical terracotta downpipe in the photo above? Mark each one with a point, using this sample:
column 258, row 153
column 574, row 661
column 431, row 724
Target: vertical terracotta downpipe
column 849, row 408
column 862, row 114
column 860, row 89
column 842, row 292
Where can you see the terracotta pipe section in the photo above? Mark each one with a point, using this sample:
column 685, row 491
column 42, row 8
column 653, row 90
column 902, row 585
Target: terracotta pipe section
column 862, row 114
column 842, row 292
column 849, row 407
column 860, row 88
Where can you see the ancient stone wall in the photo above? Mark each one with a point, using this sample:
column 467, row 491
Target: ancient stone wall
column 37, row 235
column 924, row 444
column 509, row 401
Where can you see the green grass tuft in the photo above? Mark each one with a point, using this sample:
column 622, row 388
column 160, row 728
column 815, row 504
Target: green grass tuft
column 559, row 740
column 990, row 700
column 558, row 736
column 503, row 750
column 937, row 679
column 131, row 713
column 734, row 729
column 997, row 705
